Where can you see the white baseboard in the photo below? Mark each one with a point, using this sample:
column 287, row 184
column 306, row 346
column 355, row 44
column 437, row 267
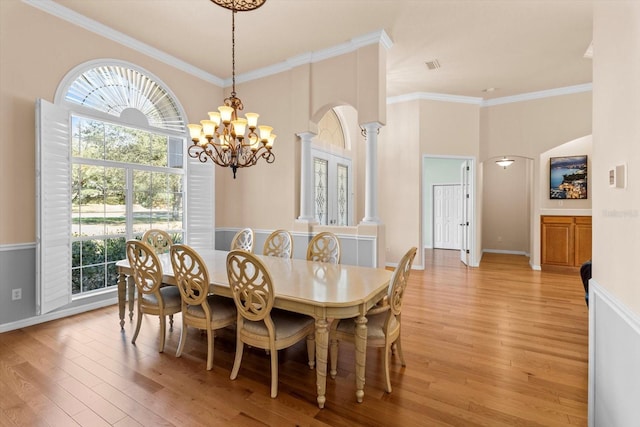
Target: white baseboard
column 502, row 251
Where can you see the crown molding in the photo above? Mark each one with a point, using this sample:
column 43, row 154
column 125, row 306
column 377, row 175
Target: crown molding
column 568, row 90
column 376, row 37
column 88, row 24
column 430, row 96
column 355, row 43
column 75, row 18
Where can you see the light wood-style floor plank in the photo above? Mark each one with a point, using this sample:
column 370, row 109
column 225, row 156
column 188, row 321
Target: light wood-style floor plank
column 498, row 345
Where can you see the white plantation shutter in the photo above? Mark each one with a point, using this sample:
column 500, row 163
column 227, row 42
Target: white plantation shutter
column 200, row 204
column 53, row 207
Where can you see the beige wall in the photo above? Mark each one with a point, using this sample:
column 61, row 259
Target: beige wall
column 399, row 179
column 415, row 129
column 449, row 128
column 267, row 196
column 527, row 129
column 616, row 140
column 506, row 206
column 38, row 50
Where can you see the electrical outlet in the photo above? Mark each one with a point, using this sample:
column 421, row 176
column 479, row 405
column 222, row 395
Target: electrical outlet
column 16, row 294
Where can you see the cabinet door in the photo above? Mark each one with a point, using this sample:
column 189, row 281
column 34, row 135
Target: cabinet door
column 582, row 240
column 558, row 241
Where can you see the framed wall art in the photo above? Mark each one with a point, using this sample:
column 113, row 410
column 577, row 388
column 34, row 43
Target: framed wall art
column 568, row 177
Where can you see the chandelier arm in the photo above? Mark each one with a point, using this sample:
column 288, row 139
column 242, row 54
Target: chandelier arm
column 197, row 152
column 220, row 157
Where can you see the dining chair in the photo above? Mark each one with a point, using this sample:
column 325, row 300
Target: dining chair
column 158, row 239
column 259, row 324
column 153, row 298
column 324, row 247
column 279, row 244
column 200, row 308
column 383, row 321
column 243, row 240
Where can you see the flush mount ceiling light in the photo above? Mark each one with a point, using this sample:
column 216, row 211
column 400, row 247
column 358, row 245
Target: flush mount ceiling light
column 222, row 137
column 504, row 162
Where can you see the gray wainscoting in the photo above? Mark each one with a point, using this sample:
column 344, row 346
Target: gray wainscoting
column 356, row 250
column 17, row 271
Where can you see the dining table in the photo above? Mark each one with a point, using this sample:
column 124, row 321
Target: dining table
column 323, row 291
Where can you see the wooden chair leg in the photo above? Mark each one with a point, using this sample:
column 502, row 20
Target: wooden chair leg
column 311, row 350
column 209, row 349
column 274, row 372
column 183, row 339
column 138, row 323
column 238, row 359
column 163, row 332
column 398, row 345
column 385, row 361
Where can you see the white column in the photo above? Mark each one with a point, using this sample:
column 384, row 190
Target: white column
column 370, row 131
column 306, row 179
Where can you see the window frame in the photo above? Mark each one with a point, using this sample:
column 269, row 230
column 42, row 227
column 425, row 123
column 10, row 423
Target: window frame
column 53, row 238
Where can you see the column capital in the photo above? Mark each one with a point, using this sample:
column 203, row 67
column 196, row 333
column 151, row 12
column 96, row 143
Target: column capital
column 370, row 128
column 306, row 136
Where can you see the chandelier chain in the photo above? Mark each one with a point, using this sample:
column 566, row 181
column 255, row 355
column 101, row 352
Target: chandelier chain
column 233, row 53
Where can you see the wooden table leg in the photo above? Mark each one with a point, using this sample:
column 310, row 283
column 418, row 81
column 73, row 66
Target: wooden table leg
column 322, row 350
column 131, row 288
column 122, row 290
column 361, row 355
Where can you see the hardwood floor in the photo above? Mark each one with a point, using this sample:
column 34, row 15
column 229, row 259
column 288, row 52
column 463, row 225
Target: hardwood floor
column 498, row 345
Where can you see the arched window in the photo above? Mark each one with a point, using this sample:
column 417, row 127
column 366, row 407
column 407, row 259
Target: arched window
column 120, row 166
column 127, row 94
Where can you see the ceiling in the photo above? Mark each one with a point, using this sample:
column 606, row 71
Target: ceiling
column 512, row 46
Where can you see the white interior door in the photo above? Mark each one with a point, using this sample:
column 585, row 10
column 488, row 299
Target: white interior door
column 465, row 200
column 447, row 216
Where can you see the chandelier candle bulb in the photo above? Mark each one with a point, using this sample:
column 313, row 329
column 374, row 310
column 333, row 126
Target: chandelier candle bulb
column 252, row 120
column 239, row 126
column 225, row 114
column 194, row 132
column 270, row 140
column 265, row 131
column 214, row 116
column 208, row 128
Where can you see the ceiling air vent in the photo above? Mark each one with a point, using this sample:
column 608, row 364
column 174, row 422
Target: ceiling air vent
column 433, row 65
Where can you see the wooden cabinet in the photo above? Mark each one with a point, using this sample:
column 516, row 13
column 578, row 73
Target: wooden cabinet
column 566, row 242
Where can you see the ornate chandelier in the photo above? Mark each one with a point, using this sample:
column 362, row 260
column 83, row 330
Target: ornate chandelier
column 222, row 137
